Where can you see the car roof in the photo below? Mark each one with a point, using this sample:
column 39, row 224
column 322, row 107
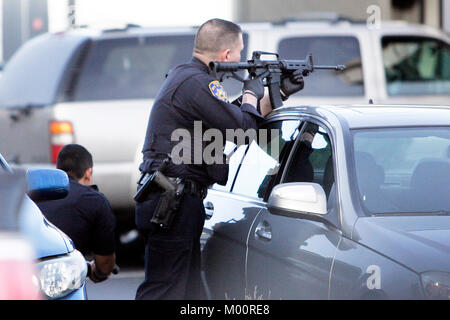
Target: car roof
column 94, row 33
column 375, row 116
column 386, row 27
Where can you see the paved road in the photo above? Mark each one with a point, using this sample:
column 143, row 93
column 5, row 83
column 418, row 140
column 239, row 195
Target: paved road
column 118, row 287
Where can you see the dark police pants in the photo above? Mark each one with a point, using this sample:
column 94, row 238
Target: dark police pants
column 172, row 257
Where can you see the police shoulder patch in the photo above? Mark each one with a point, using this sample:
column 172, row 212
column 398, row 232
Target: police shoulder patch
column 217, row 90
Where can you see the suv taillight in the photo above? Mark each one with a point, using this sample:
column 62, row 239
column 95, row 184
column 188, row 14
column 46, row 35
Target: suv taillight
column 61, row 133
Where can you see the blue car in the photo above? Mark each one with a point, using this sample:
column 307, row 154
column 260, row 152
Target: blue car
column 61, row 269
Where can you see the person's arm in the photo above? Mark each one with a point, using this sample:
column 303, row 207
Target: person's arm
column 249, row 99
column 197, row 99
column 103, row 242
column 101, row 267
column 265, row 106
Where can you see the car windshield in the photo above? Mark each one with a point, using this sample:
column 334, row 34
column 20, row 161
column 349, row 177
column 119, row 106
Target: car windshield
column 416, row 66
column 403, row 170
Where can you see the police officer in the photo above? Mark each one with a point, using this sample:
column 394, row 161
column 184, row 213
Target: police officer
column 190, row 94
column 85, row 214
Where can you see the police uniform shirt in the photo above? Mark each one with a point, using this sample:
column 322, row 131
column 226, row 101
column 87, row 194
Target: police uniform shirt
column 189, row 94
column 85, row 215
column 204, row 98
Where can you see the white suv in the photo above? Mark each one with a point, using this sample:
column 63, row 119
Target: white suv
column 96, row 88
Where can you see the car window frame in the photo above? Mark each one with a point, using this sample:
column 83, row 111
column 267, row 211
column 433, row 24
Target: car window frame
column 297, row 141
column 335, row 218
column 4, row 167
column 266, row 122
column 72, row 72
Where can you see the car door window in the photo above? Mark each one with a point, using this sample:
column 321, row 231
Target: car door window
column 312, row 160
column 259, row 169
column 328, row 50
column 234, row 156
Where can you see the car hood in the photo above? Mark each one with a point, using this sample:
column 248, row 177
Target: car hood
column 421, row 243
column 47, row 239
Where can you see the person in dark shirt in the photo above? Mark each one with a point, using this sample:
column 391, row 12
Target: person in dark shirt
column 85, row 215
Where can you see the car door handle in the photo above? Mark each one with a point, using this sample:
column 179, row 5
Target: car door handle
column 209, row 210
column 264, row 231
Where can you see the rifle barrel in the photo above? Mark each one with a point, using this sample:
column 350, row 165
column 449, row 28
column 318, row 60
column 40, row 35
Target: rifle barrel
column 338, row 67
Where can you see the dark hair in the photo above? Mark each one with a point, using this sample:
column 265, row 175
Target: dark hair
column 215, row 35
column 74, row 160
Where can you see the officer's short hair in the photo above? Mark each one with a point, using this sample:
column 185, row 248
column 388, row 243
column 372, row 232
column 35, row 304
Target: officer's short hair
column 74, row 160
column 215, row 35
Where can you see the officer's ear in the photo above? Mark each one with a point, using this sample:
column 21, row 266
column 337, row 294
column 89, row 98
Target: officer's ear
column 225, row 55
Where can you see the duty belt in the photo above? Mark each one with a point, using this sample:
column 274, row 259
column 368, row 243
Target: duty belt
column 190, row 187
column 194, row 188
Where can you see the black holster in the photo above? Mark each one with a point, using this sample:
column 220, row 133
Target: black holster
column 147, row 182
column 168, row 205
column 170, row 198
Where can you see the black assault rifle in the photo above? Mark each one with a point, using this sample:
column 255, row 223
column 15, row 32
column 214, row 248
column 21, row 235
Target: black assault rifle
column 269, row 70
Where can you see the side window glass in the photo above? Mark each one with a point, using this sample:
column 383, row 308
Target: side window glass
column 328, row 50
column 131, row 67
column 234, row 156
column 312, row 161
column 261, row 164
column 416, row 65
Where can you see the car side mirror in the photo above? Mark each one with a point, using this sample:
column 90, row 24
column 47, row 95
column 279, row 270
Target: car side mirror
column 47, row 184
column 295, row 199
